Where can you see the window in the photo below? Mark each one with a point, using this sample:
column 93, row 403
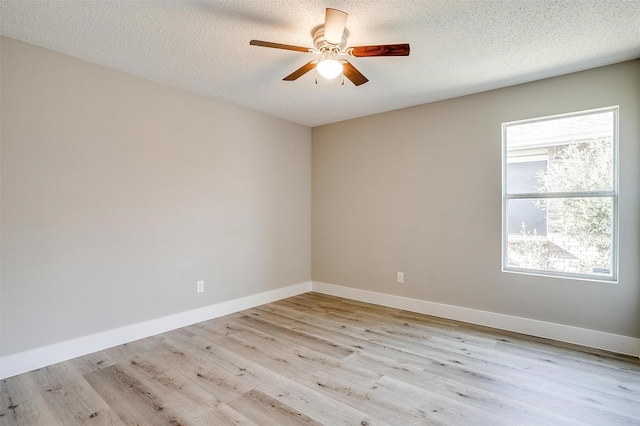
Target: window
column 560, row 198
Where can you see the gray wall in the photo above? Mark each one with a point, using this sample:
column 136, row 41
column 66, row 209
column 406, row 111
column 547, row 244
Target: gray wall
column 118, row 194
column 419, row 191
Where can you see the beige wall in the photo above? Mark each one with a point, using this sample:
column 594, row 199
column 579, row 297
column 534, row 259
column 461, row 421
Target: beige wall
column 419, row 191
column 118, row 194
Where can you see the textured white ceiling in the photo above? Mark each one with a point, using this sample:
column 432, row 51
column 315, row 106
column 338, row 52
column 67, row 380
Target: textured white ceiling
column 458, row 47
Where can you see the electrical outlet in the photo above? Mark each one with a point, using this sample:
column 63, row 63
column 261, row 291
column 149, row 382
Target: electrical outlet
column 199, row 286
column 400, row 277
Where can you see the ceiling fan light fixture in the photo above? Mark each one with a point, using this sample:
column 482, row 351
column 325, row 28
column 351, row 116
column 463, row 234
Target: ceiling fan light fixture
column 329, row 68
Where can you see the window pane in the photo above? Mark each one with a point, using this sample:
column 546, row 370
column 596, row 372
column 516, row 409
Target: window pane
column 578, row 239
column 579, row 151
column 526, row 217
column 525, row 176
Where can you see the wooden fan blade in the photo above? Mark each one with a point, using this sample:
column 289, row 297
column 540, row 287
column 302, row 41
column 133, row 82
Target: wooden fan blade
column 279, row 46
column 380, row 50
column 334, row 23
column 352, row 73
column 301, row 71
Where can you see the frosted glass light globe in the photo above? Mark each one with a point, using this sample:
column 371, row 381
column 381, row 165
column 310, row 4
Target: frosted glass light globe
column 329, row 68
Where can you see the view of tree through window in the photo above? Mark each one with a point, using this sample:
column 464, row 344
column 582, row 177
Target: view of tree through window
column 560, row 195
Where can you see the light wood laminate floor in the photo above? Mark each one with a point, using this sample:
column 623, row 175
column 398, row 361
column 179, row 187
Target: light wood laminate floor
column 315, row 359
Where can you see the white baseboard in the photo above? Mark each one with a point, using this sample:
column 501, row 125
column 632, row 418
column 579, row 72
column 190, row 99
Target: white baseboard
column 22, row 362
column 564, row 333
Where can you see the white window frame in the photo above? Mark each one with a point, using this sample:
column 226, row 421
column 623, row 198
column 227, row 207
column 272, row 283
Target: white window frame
column 613, row 194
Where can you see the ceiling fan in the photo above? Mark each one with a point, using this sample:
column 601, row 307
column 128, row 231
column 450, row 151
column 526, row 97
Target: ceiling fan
column 330, row 40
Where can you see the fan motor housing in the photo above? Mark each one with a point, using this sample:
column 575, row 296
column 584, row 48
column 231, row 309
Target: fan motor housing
column 321, row 44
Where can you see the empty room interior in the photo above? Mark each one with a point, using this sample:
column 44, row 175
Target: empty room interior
column 446, row 233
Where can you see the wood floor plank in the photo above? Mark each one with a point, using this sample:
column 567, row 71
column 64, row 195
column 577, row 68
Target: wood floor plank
column 226, row 415
column 70, row 398
column 75, row 402
column 186, row 397
column 92, row 362
column 436, row 408
column 34, row 411
column 263, row 409
column 7, row 407
column 23, row 404
column 318, row 344
column 318, row 359
column 134, row 403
